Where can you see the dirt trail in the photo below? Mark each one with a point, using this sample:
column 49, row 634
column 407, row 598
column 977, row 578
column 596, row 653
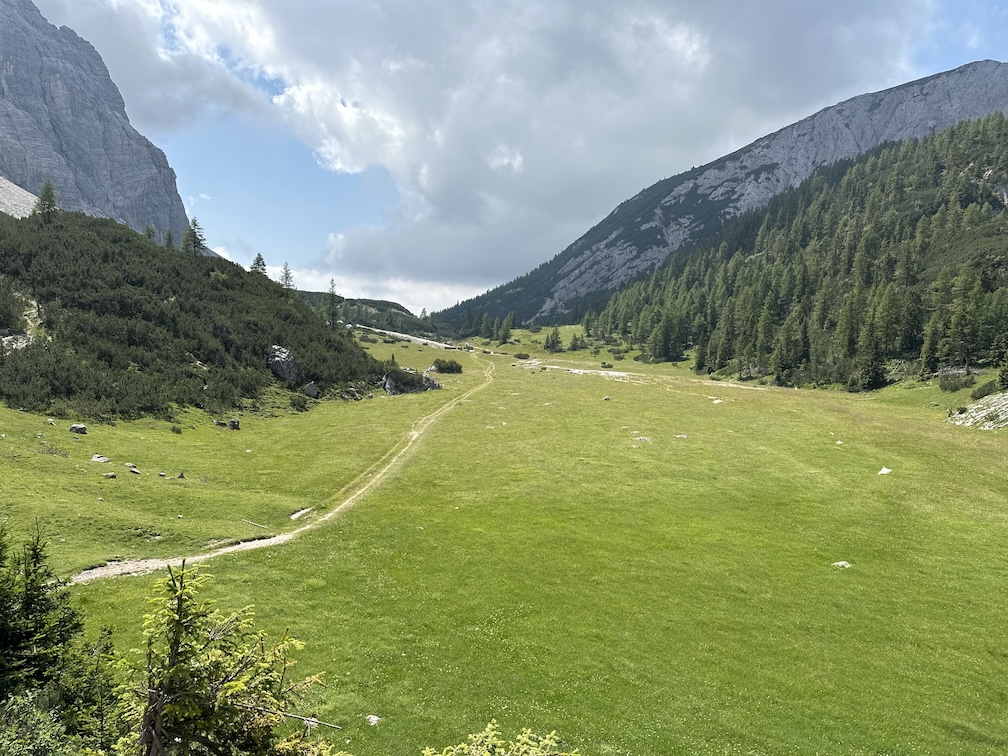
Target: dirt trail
column 346, row 498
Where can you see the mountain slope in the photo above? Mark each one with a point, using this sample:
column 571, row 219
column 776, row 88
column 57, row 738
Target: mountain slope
column 682, row 210
column 894, row 261
column 63, row 119
column 14, row 200
column 133, row 329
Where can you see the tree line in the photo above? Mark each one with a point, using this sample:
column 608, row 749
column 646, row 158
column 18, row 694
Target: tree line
column 898, row 255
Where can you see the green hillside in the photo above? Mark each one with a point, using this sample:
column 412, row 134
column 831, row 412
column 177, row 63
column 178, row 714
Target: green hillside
column 129, row 328
column 897, row 256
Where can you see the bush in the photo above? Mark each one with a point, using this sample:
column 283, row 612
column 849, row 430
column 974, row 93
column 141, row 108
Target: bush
column 447, row 366
column 299, row 402
column 521, row 356
column 176, row 430
column 955, row 382
column 984, row 389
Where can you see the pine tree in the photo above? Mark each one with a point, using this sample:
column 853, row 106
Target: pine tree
column 553, row 343
column 259, row 264
column 286, row 277
column 47, row 204
column 486, row 327
column 193, row 238
column 332, row 302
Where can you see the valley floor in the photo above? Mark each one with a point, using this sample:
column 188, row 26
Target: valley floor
column 646, row 562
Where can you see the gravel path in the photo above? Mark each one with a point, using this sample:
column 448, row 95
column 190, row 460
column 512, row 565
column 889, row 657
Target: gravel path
column 347, row 497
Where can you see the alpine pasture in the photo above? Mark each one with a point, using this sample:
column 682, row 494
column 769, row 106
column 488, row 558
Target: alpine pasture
column 646, row 562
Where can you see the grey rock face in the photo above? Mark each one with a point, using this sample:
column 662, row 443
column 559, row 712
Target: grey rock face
column 283, row 364
column 14, row 200
column 62, row 119
column 644, row 230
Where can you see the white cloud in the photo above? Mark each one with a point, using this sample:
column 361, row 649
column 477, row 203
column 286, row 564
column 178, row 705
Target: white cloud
column 509, row 128
column 503, row 158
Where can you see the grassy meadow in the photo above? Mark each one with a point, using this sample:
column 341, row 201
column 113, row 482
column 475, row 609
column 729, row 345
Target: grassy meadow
column 643, row 563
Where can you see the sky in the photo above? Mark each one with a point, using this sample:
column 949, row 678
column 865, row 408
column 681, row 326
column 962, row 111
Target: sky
column 426, row 151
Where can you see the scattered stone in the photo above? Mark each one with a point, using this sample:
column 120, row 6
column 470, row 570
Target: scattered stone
column 842, row 565
column 134, row 471
column 51, row 422
column 310, row 390
column 101, row 498
column 110, row 475
column 79, row 428
column 181, row 475
column 179, row 517
column 130, row 465
column 161, row 475
column 682, row 435
column 233, row 424
column 218, row 423
column 839, row 443
column 605, row 398
column 884, row 471
column 100, row 458
column 373, row 719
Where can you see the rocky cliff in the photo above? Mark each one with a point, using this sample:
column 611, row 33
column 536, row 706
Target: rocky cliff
column 644, row 230
column 63, row 119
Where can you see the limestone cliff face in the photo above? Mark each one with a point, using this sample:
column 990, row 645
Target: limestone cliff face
column 63, row 119
column 644, row 230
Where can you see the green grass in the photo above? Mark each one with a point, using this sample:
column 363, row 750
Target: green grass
column 534, row 560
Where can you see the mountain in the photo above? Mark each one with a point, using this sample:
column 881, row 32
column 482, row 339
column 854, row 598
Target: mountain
column 682, row 210
column 62, row 119
column 885, row 266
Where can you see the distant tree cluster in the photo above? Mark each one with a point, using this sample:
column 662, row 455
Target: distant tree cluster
column 496, row 329
column 900, row 254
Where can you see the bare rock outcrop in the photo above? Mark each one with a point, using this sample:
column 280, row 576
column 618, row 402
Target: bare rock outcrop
column 62, row 119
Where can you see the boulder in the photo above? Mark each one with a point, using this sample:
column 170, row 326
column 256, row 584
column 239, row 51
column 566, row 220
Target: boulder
column 100, row 458
column 110, row 475
column 311, row 390
column 398, row 382
column 283, row 364
column 79, row 428
column 233, row 424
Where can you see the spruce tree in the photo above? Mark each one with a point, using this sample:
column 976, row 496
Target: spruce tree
column 47, row 204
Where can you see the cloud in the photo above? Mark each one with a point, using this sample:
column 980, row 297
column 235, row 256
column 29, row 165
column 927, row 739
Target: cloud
column 509, row 128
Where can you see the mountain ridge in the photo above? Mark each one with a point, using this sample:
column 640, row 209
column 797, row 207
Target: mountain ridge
column 641, row 232
column 63, row 119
